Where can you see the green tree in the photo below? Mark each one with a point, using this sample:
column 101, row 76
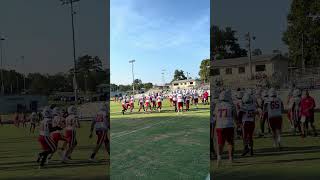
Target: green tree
column 179, row 75
column 302, row 27
column 256, row 52
column 147, row 85
column 224, row 44
column 204, row 70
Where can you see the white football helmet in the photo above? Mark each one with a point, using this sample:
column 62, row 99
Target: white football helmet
column 272, row 92
column 56, row 111
column 246, row 98
column 46, row 112
column 72, row 110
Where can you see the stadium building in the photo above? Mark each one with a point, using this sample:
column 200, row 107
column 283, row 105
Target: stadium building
column 185, row 84
column 266, row 70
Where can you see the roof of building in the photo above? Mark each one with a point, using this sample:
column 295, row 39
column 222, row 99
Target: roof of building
column 182, row 81
column 245, row 60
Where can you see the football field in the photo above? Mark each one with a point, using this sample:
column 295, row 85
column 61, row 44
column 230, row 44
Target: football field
column 159, row 145
column 18, row 155
column 298, row 159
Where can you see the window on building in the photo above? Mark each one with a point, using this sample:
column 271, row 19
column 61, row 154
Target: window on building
column 191, row 82
column 228, row 70
column 216, row 72
column 242, row 70
column 185, row 83
column 260, row 68
column 175, row 84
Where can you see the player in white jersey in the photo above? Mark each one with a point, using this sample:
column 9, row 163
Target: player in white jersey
column 263, row 113
column 294, row 109
column 131, row 103
column 237, row 103
column 154, row 100
column 180, row 102
column 159, row 102
column 196, row 98
column 102, row 126
column 187, row 101
column 174, row 102
column 124, row 105
column 247, row 114
column 33, row 121
column 224, row 119
column 141, row 103
column 72, row 123
column 46, row 142
column 274, row 107
column 148, row 103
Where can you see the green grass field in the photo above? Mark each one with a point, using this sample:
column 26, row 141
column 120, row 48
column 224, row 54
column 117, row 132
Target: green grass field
column 300, row 158
column 159, row 145
column 18, row 154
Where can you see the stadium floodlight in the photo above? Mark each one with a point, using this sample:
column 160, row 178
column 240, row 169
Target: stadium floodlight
column 71, row 2
column 1, row 57
column 132, row 61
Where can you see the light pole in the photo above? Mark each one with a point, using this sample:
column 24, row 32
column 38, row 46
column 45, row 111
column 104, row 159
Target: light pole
column 248, row 38
column 24, row 74
column 1, row 57
column 132, row 61
column 71, row 2
column 163, row 79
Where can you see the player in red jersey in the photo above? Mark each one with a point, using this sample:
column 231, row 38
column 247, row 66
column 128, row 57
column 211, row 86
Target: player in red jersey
column 205, row 97
column 307, row 113
column 101, row 124
column 274, row 107
column 224, row 118
column 46, row 142
column 246, row 116
column 72, row 123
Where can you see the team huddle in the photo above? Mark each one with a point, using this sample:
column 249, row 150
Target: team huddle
column 236, row 116
column 179, row 99
column 58, row 128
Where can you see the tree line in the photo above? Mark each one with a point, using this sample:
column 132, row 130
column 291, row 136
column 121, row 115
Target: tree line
column 90, row 73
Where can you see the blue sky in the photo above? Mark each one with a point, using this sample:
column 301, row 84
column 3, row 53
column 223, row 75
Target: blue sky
column 41, row 32
column 159, row 35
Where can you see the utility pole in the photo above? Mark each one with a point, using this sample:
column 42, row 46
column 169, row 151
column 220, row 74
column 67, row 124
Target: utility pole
column 248, row 38
column 1, row 57
column 302, row 53
column 24, row 74
column 71, row 2
column 132, row 61
column 163, row 79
